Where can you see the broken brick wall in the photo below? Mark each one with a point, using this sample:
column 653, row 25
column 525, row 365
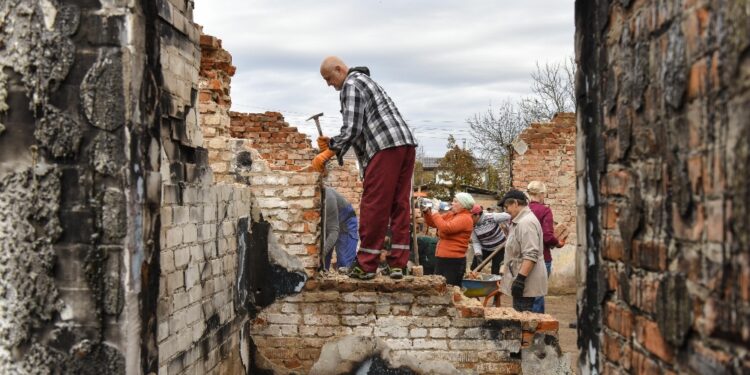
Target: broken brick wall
column 664, row 186
column 286, row 149
column 421, row 318
column 546, row 152
column 289, row 200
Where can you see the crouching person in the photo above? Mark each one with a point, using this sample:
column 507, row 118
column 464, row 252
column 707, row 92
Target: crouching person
column 524, row 272
column 341, row 231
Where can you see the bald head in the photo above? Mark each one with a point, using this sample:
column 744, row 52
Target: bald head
column 334, row 71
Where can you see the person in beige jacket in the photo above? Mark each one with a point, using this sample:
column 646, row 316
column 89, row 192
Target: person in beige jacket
column 524, row 272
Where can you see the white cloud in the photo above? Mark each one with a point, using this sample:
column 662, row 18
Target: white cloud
column 441, row 61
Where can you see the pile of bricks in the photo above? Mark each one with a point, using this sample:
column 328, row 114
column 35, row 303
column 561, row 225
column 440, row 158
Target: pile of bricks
column 548, row 155
column 422, row 318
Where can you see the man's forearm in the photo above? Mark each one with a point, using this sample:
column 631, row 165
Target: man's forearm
column 526, row 267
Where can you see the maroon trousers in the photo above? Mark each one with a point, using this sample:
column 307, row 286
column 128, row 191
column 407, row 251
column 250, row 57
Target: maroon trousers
column 385, row 200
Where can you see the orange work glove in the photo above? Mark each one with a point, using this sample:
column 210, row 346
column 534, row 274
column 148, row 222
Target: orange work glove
column 323, row 143
column 318, row 164
column 560, row 243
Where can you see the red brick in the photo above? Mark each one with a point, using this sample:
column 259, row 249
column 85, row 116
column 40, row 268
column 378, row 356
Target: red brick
column 649, row 336
column 548, row 325
column 619, row 319
column 651, row 254
column 641, row 364
column 613, row 248
column 687, row 229
column 697, row 79
column 611, row 214
column 616, row 183
column 715, row 221
column 643, row 293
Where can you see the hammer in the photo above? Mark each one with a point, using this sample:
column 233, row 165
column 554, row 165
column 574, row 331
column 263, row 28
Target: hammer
column 317, row 122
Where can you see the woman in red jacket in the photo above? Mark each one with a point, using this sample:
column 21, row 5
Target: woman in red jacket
column 537, row 191
column 454, row 230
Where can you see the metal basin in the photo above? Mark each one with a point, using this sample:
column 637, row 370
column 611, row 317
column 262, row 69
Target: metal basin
column 480, row 288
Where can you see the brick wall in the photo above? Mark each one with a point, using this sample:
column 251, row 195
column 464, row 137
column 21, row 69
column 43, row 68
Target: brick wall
column 286, row 149
column 282, row 146
column 416, row 318
column 547, row 154
column 664, row 129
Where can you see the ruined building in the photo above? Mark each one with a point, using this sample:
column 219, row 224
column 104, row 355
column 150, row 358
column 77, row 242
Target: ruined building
column 546, row 152
column 663, row 168
column 146, row 228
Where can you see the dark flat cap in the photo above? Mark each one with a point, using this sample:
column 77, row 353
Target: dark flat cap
column 512, row 194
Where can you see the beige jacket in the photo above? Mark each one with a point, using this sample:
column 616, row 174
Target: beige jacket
column 525, row 241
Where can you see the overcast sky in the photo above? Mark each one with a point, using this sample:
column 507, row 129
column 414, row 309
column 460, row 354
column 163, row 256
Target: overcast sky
column 440, row 61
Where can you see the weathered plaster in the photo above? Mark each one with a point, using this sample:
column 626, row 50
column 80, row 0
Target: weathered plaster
column 29, row 225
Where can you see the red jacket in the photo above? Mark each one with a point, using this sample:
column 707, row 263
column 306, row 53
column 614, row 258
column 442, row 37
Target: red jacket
column 544, row 215
column 454, row 231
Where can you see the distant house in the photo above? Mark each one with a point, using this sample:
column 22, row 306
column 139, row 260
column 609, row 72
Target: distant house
column 431, row 168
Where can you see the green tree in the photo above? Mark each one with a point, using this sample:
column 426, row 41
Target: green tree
column 458, row 168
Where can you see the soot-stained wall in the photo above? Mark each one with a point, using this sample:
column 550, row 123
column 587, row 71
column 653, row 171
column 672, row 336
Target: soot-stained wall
column 75, row 219
column 663, row 92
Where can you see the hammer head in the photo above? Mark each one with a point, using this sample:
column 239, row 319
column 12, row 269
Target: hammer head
column 315, row 116
column 317, row 122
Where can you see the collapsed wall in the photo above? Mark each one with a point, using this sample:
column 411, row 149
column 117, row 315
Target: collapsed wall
column 546, row 152
column 421, row 321
column 663, row 177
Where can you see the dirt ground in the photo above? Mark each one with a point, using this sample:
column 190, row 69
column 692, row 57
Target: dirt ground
column 563, row 308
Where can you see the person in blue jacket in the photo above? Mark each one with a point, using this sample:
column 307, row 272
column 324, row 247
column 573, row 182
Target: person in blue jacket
column 341, row 228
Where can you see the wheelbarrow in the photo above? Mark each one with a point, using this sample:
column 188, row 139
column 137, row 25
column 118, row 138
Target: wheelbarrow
column 488, row 286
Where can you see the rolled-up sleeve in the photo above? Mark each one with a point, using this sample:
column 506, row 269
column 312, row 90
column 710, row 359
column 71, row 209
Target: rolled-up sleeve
column 530, row 246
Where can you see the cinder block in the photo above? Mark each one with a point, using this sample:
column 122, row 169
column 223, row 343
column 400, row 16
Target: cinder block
column 189, row 234
column 181, row 257
column 174, row 237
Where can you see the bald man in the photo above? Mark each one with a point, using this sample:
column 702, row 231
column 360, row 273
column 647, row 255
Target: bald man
column 385, row 149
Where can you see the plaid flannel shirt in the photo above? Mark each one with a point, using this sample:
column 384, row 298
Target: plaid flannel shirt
column 371, row 120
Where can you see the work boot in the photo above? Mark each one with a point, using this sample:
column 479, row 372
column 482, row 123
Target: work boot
column 396, row 273
column 358, row 273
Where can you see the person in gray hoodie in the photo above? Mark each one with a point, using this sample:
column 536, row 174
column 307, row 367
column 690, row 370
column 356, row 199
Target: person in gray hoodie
column 340, row 230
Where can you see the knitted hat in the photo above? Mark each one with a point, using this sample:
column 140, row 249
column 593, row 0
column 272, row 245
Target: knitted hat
column 465, row 200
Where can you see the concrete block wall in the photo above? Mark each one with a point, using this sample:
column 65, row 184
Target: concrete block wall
column 198, row 327
column 663, row 176
column 198, row 317
column 549, row 156
column 420, row 317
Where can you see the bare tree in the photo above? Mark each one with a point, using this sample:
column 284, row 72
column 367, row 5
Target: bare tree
column 493, row 132
column 552, row 90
